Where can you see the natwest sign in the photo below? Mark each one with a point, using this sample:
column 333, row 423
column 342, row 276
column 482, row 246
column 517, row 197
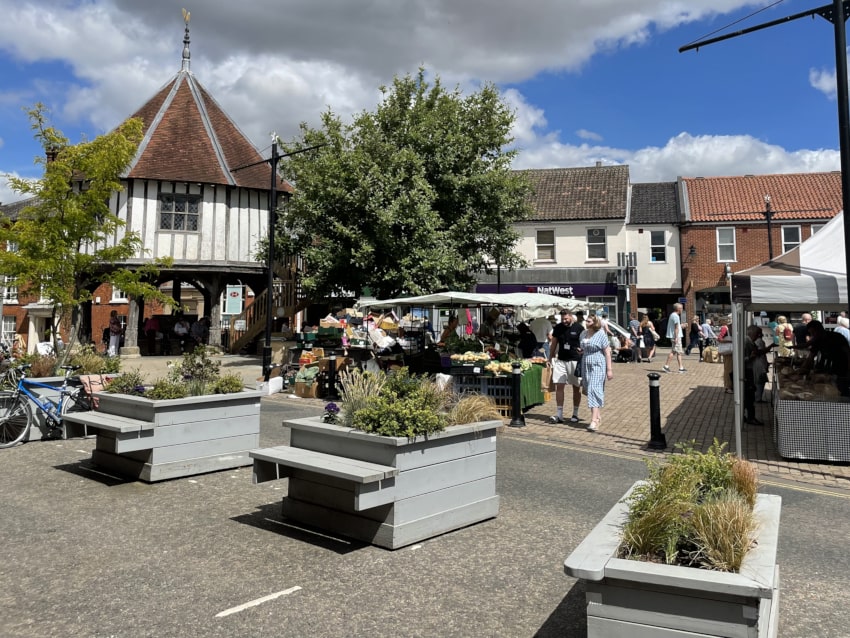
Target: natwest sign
column 558, row 291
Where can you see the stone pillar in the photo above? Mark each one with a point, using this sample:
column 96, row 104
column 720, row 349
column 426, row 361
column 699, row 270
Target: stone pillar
column 131, row 332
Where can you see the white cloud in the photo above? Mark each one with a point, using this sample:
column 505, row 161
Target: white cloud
column 588, row 135
column 824, row 81
column 686, row 155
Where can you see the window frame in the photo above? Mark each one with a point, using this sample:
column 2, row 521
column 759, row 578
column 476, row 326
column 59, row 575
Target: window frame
column 14, row 331
column 538, row 245
column 189, row 199
column 653, row 246
column 604, row 242
column 118, row 295
column 785, row 244
column 10, row 292
column 719, row 245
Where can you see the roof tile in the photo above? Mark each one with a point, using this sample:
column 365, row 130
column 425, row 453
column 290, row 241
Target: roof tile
column 655, row 203
column 563, row 194
column 793, row 196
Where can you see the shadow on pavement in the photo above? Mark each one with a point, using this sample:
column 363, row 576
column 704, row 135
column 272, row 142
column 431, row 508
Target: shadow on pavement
column 269, row 518
column 569, row 617
column 87, row 470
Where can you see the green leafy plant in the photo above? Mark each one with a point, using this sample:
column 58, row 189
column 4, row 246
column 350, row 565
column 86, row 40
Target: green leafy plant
column 229, row 383
column 355, row 389
column 694, row 509
column 168, row 388
column 92, row 362
column 129, row 382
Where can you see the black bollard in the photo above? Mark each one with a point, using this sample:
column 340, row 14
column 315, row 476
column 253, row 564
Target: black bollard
column 331, row 393
column 517, row 417
column 657, row 440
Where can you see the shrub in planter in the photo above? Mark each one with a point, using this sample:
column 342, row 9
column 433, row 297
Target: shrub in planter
column 695, row 509
column 195, row 375
column 93, row 362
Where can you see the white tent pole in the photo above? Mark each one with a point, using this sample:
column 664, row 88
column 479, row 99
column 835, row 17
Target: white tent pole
column 738, row 332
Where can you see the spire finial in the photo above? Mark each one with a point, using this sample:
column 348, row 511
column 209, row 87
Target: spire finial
column 186, row 55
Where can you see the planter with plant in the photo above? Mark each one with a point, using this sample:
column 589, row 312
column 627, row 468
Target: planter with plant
column 191, row 421
column 397, row 460
column 690, row 551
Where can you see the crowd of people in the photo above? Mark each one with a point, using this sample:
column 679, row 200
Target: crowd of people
column 184, row 335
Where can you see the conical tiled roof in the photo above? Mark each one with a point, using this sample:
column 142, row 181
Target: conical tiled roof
column 189, row 138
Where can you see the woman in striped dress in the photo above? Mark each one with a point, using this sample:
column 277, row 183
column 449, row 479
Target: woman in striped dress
column 595, row 367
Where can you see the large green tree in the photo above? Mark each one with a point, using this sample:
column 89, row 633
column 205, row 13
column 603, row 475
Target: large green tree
column 415, row 197
column 62, row 245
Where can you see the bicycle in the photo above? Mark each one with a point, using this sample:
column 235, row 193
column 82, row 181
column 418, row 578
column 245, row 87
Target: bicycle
column 16, row 415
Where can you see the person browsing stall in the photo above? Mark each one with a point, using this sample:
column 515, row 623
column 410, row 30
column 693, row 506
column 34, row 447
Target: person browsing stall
column 527, row 341
column 565, row 351
column 450, row 329
column 834, row 351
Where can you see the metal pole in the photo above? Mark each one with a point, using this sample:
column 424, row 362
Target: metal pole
column 843, row 118
column 267, row 348
column 768, row 213
column 657, row 440
column 518, row 418
column 331, row 394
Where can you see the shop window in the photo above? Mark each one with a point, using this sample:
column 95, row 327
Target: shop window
column 597, row 247
column 790, row 237
column 657, row 246
column 545, row 245
column 10, row 292
column 726, row 244
column 179, row 212
column 8, row 331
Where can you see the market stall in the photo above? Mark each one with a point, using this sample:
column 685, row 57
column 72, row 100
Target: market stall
column 809, row 417
column 483, row 365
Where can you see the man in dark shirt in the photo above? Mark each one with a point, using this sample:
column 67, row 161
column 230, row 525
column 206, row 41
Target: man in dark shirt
column 565, row 356
column 801, row 331
column 834, row 351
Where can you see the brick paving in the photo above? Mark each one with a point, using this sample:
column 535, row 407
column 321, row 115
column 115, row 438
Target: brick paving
column 694, row 407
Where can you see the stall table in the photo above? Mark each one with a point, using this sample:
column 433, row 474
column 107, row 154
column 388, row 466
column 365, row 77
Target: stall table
column 500, row 387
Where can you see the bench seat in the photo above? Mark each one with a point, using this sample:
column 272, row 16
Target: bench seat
column 109, row 422
column 373, row 484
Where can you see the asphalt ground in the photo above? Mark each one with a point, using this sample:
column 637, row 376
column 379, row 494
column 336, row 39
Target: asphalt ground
column 87, row 554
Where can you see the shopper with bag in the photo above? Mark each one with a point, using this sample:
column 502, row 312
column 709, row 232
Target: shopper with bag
column 785, row 335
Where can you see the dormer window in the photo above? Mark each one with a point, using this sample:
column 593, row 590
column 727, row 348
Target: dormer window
column 179, row 212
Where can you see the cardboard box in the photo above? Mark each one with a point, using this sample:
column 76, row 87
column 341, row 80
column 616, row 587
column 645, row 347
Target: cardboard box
column 325, row 364
column 272, row 386
column 306, row 391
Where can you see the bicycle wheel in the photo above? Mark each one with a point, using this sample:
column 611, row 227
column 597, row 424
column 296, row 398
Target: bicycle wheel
column 76, row 401
column 15, row 418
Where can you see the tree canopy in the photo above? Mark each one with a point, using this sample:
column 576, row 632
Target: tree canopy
column 415, row 197
column 62, row 245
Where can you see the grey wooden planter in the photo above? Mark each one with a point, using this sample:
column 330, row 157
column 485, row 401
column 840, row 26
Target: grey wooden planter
column 158, row 440
column 389, row 491
column 637, row 599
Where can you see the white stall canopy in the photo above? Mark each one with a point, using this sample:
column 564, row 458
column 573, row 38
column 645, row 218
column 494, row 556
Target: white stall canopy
column 812, row 275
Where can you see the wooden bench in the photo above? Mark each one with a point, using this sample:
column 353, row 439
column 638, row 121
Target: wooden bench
column 78, row 423
column 372, row 484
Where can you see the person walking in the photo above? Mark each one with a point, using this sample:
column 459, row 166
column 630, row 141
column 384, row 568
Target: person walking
column 596, row 368
column 115, row 330
column 708, row 335
column 565, row 351
column 785, row 336
column 647, row 331
column 674, row 333
column 695, row 337
column 634, row 333
column 181, row 331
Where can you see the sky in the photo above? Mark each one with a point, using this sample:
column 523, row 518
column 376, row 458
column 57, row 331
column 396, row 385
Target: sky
column 589, row 80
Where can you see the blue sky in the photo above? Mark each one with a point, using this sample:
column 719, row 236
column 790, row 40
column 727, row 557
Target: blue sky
column 590, row 80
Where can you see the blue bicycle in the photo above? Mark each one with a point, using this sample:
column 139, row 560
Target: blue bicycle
column 16, row 415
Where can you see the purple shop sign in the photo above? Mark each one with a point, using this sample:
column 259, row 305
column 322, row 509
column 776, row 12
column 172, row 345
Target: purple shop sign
column 558, row 290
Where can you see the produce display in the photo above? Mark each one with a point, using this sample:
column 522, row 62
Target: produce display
column 814, row 386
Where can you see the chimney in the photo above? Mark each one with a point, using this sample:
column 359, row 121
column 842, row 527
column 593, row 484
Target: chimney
column 598, row 163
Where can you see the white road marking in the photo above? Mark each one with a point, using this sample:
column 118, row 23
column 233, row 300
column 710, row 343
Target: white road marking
column 258, row 601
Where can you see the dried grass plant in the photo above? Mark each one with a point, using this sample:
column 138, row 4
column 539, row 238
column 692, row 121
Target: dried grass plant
column 723, row 531
column 355, row 389
column 471, row 408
